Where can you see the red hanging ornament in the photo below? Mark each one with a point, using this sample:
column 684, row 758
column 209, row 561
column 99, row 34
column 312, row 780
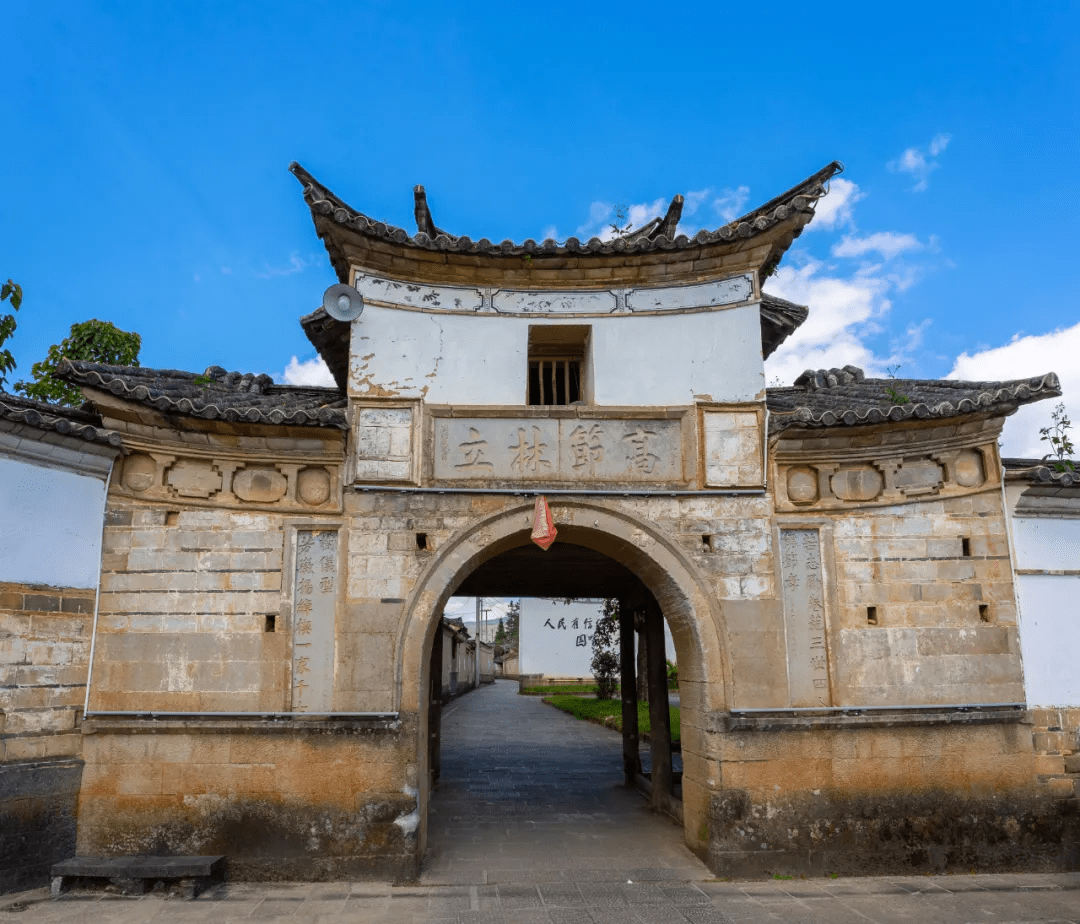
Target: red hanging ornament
column 544, row 531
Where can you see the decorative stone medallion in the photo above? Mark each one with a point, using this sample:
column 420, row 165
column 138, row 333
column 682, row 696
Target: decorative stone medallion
column 857, row 484
column 189, row 478
column 969, row 469
column 313, row 486
column 802, row 485
column 262, row 485
column 139, row 471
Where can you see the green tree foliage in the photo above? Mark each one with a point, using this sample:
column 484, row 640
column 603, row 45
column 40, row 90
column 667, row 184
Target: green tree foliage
column 91, row 341
column 500, row 633
column 513, row 618
column 605, row 646
column 1062, row 449
column 9, row 292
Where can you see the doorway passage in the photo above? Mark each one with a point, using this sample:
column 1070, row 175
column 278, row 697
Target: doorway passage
column 530, row 795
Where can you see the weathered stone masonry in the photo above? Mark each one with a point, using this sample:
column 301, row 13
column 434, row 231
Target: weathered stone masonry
column 831, row 559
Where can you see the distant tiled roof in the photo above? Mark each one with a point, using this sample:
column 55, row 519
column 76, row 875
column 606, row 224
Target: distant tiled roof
column 656, row 235
column 845, row 397
column 779, row 320
column 1042, row 472
column 52, row 418
column 215, row 395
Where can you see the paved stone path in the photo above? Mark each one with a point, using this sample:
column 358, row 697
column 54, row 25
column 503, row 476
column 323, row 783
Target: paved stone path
column 531, row 825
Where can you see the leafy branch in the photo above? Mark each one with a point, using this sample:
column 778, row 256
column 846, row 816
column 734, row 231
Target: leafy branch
column 1061, row 446
column 895, row 396
column 9, row 292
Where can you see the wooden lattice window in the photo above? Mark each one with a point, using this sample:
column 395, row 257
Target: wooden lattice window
column 557, row 364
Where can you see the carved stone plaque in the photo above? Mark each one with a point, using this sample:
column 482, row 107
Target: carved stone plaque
column 544, row 450
column 314, row 596
column 384, row 444
column 732, row 449
column 804, row 615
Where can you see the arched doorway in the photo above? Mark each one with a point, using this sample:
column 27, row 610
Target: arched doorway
column 602, row 550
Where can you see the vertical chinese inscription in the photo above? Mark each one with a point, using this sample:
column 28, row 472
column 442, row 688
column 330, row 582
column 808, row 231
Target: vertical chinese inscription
column 804, row 614
column 314, row 594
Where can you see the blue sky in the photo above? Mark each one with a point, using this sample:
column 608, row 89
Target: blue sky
column 146, row 148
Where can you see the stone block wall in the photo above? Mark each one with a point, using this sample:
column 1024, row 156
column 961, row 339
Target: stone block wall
column 315, row 799
column 864, row 801
column 189, row 611
column 44, row 650
column 926, row 608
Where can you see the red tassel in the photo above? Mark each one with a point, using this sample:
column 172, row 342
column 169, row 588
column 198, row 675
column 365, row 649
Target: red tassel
column 544, row 531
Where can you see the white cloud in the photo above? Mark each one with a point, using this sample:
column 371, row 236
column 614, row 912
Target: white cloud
column 1025, row 357
column 835, row 210
column 296, row 264
column 731, row 203
column 310, row 372
column 550, row 233
column 918, row 164
column 843, row 311
column 887, row 243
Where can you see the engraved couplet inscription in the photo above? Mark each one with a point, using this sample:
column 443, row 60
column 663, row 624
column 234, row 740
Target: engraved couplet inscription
column 314, row 594
column 570, row 449
column 804, row 613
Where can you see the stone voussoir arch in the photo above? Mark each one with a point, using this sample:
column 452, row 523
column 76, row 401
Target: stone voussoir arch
column 693, row 613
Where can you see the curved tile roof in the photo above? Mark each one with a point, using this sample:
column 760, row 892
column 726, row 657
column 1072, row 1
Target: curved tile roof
column 845, row 397
column 54, row 418
column 654, row 237
column 215, row 395
column 1043, row 472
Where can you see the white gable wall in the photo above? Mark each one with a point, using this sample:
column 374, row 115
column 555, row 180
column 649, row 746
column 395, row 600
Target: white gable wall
column 1048, row 588
column 50, row 525
column 482, row 359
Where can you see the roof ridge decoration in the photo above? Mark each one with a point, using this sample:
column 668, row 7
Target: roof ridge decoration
column 659, row 234
column 845, row 397
column 56, row 418
column 216, row 394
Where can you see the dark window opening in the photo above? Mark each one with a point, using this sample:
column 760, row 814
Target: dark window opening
column 421, row 541
column 965, row 547
column 172, row 517
column 706, row 542
column 871, row 616
column 557, row 364
column 271, row 623
column 984, row 612
column 554, row 381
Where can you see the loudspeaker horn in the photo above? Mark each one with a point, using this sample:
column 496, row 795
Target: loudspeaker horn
column 342, row 302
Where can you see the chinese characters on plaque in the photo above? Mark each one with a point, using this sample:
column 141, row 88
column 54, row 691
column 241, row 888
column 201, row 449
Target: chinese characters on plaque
column 314, row 595
column 571, row 449
column 804, row 614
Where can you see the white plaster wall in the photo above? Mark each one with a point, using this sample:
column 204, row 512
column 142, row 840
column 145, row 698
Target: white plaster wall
column 1050, row 638
column 1047, row 543
column 50, row 525
column 1049, row 618
column 554, row 652
column 482, row 359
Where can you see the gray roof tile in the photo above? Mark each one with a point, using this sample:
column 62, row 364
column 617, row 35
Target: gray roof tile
column 845, row 397
column 215, row 395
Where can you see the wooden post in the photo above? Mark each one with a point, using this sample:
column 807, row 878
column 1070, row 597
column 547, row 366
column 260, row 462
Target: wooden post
column 642, row 658
column 435, row 706
column 659, row 717
column 628, row 686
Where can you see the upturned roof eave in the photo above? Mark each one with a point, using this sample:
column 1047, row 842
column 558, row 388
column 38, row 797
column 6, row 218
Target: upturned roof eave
column 775, row 224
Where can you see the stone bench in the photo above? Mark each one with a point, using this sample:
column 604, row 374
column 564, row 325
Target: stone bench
column 134, row 874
